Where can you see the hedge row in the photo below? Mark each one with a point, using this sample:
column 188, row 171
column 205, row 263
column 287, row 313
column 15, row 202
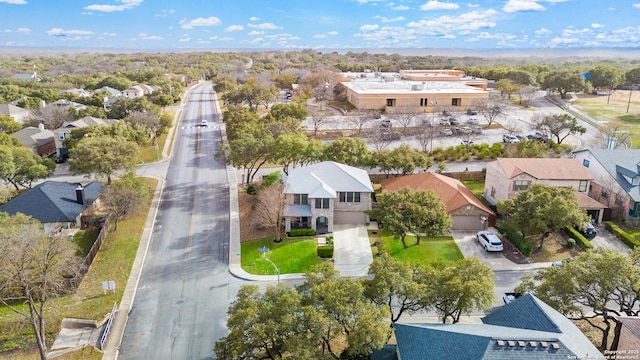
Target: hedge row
column 325, row 251
column 580, row 239
column 301, row 232
column 513, row 235
column 625, row 237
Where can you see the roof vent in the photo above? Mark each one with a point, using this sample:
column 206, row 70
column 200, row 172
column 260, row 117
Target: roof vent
column 521, row 343
column 555, row 346
column 544, row 344
column 500, row 343
column 511, row 343
column 533, row 344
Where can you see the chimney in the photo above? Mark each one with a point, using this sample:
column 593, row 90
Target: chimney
column 80, row 195
column 41, row 126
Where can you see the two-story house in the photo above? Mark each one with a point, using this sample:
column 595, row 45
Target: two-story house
column 327, row 193
column 616, row 181
column 63, row 132
column 506, row 177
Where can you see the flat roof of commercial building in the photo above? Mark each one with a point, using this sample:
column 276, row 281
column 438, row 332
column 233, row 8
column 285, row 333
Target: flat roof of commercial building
column 382, row 85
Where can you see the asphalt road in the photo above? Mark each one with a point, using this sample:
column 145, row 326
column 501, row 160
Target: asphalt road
column 185, row 289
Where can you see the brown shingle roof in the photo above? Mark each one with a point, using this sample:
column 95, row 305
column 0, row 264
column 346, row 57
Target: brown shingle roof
column 544, row 168
column 585, row 202
column 453, row 193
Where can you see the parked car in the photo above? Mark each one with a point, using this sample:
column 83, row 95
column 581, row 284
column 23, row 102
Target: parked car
column 489, row 241
column 454, row 121
column 428, row 122
column 510, row 296
column 588, row 230
column 204, row 123
column 61, row 158
column 377, row 116
column 510, row 139
column 446, row 132
column 472, row 111
column 386, row 123
column 445, row 122
column 473, row 121
column 535, row 137
column 446, row 113
column 560, row 263
column 476, row 129
column 389, row 136
column 463, row 130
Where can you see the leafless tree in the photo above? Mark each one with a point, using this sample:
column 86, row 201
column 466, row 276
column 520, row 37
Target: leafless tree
column 405, row 115
column 269, row 211
column 34, row 267
column 468, row 138
column 147, row 119
column 360, row 119
column 53, row 116
column 425, row 136
column 491, row 109
column 319, row 117
column 526, row 93
column 512, row 127
column 614, row 137
column 378, row 138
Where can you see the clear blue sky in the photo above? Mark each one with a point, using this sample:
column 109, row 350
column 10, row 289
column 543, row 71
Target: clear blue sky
column 319, row 24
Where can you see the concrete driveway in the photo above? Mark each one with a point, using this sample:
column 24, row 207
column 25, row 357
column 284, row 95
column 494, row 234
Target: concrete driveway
column 469, row 246
column 607, row 240
column 351, row 250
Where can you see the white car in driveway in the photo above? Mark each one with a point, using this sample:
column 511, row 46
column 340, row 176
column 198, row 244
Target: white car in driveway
column 489, row 241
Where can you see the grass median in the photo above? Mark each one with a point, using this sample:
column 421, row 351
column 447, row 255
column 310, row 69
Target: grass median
column 292, row 255
column 113, row 262
column 432, row 249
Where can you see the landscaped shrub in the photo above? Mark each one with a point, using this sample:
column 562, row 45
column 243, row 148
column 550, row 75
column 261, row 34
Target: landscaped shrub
column 325, row 251
column 513, row 235
column 621, row 234
column 301, row 232
column 251, row 189
column 329, row 240
column 578, row 238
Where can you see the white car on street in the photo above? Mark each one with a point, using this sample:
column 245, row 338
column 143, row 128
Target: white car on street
column 489, row 241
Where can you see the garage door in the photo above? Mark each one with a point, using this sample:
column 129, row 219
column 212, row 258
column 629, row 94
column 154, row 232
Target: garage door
column 349, row 217
column 466, row 223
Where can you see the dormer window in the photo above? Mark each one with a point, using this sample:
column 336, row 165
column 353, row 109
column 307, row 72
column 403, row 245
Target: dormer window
column 635, row 181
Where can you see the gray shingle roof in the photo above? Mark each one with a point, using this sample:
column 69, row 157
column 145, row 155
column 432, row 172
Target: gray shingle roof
column 618, row 161
column 53, row 201
column 324, row 179
column 524, row 329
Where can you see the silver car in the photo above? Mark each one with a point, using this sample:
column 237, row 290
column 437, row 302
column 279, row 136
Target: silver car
column 489, row 241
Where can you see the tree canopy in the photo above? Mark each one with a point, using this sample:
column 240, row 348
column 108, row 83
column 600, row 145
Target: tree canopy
column 543, row 209
column 102, row 156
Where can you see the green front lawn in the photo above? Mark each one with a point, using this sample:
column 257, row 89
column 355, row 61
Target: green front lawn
column 431, row 250
column 293, row 255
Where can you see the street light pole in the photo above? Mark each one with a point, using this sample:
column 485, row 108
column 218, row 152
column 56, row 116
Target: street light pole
column 276, row 267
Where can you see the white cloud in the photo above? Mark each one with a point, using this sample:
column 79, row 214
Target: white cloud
column 145, row 36
column 369, row 27
column 400, row 7
column 15, row 2
column 543, row 31
column 125, row 5
column 437, row 5
column 165, row 13
column 320, row 36
column 332, row 33
column 254, row 18
column 234, row 28
column 385, row 20
column 187, row 39
column 368, row 1
column 265, row 26
column 57, row 32
column 469, row 21
column 109, row 34
column 24, row 30
column 597, row 26
column 210, row 21
column 637, row 6
column 256, row 33
column 522, row 5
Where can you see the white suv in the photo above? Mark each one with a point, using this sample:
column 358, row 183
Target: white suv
column 489, row 241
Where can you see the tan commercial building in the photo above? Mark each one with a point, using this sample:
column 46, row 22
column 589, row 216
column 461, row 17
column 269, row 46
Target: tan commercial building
column 420, row 90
